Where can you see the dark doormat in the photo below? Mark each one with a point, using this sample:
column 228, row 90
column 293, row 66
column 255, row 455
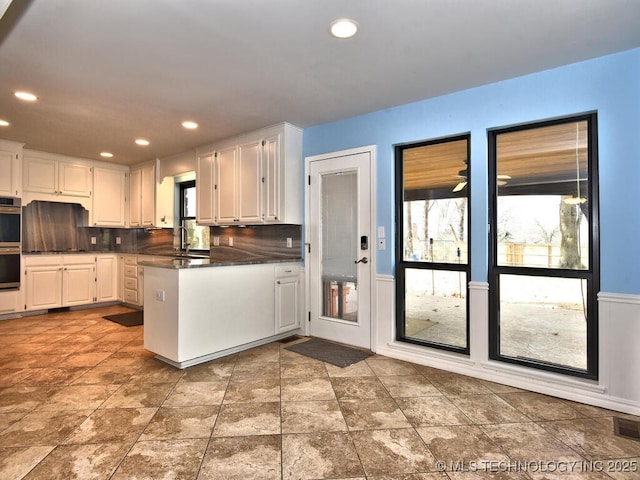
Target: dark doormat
column 329, row 352
column 130, row 319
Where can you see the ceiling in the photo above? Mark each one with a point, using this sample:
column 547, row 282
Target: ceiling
column 108, row 72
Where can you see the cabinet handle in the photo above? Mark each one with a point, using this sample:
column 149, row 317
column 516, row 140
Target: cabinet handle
column 278, row 282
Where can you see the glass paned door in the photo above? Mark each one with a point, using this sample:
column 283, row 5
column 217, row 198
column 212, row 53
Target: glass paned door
column 340, row 256
column 339, row 217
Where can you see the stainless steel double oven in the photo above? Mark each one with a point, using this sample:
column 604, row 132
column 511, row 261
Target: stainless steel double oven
column 10, row 242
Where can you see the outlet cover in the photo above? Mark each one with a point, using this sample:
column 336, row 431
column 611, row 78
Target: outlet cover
column 289, row 242
column 231, row 241
column 118, row 240
column 94, row 240
column 216, row 241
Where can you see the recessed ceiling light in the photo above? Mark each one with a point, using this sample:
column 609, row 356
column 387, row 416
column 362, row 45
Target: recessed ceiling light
column 4, row 123
column 26, row 96
column 344, row 28
column 189, row 124
column 142, row 141
column 106, row 154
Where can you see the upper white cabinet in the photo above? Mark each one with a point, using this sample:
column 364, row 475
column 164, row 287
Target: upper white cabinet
column 150, row 198
column 44, row 174
column 109, row 197
column 10, row 169
column 205, row 174
column 251, row 179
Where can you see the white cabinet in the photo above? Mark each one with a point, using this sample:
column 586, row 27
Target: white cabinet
column 252, row 179
column 225, row 197
column 9, row 302
column 107, row 278
column 78, row 281
column 150, row 198
column 43, row 282
column 287, row 298
column 130, row 287
column 44, row 174
column 205, row 170
column 135, row 198
column 10, row 169
column 109, row 197
column 54, row 281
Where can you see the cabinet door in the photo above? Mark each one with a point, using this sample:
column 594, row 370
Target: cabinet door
column 74, row 180
column 78, row 284
column 134, row 198
column 287, row 292
column 148, row 196
column 205, row 189
column 109, row 197
column 249, row 188
column 8, row 174
column 271, row 165
column 226, row 185
column 40, row 175
column 43, row 287
column 8, row 302
column 106, row 278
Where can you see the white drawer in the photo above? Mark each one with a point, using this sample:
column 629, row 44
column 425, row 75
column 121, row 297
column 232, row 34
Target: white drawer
column 286, row 271
column 130, row 296
column 130, row 260
column 131, row 283
column 131, row 271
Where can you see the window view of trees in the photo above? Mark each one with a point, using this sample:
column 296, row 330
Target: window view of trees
column 541, row 278
column 434, row 256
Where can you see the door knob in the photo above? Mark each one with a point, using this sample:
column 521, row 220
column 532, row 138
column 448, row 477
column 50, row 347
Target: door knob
column 362, row 260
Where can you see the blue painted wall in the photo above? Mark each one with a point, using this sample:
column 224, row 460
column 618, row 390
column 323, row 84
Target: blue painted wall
column 609, row 85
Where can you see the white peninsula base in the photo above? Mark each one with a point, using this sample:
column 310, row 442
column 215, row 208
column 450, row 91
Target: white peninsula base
column 193, row 315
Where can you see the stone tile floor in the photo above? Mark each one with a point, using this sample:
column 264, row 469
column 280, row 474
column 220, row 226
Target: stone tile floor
column 80, row 398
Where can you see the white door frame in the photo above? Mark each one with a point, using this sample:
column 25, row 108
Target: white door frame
column 371, row 150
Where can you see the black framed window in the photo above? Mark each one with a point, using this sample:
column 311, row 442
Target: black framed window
column 197, row 235
column 432, row 244
column 544, row 245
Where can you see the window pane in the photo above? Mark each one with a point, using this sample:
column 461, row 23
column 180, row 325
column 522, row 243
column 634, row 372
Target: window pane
column 189, row 206
column 339, row 197
column 542, row 207
column 436, row 231
column 544, row 319
column 435, row 208
column 435, row 306
column 198, row 236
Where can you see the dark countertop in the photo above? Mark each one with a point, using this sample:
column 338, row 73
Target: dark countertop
column 181, row 263
column 219, row 256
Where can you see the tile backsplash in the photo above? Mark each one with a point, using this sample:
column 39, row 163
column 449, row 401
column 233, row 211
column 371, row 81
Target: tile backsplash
column 61, row 227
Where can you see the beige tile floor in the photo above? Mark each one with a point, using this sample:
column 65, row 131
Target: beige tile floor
column 80, row 398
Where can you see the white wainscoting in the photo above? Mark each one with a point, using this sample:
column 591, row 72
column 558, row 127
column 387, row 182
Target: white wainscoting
column 618, row 387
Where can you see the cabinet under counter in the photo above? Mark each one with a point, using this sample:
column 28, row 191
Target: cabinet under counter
column 193, row 315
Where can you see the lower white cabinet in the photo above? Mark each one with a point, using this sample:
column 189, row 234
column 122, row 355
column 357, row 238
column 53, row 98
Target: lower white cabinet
column 193, row 315
column 79, row 282
column 53, row 281
column 43, row 282
column 9, row 302
column 287, row 298
column 131, row 292
column 107, row 278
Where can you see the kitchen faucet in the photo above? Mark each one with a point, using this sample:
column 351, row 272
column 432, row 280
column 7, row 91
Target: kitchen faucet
column 186, row 236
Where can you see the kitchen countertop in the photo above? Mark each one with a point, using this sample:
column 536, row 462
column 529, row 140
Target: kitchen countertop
column 222, row 256
column 181, row 263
